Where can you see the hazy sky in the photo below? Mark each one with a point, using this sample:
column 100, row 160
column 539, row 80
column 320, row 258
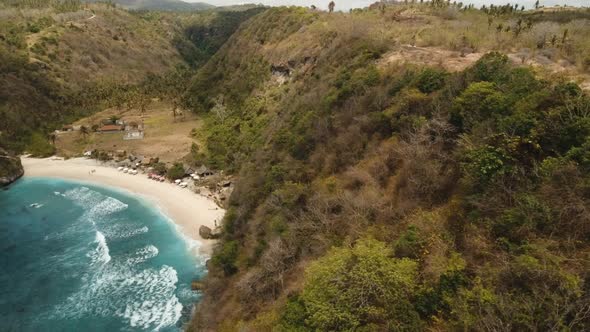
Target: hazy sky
column 347, row 4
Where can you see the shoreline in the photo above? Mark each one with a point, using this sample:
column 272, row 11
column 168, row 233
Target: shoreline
column 186, row 210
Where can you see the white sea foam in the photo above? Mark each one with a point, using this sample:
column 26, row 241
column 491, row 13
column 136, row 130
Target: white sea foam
column 151, row 310
column 145, row 299
column 97, row 203
column 83, row 196
column 187, row 294
column 100, row 255
column 107, row 206
column 36, row 205
column 121, row 231
column 143, row 254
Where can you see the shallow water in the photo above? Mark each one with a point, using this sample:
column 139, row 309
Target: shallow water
column 76, row 257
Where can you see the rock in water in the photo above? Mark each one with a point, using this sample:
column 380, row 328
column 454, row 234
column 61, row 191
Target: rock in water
column 205, row 232
column 10, row 168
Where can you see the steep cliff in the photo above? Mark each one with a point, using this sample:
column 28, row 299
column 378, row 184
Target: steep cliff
column 10, row 168
column 395, row 173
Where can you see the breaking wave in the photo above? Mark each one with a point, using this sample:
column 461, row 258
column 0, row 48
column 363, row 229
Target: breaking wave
column 145, row 299
column 105, row 260
column 100, row 255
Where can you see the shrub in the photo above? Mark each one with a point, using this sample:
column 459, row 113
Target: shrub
column 430, row 80
column 527, row 216
column 409, row 244
column 360, row 286
column 291, row 195
column 492, row 67
column 159, row 168
column 226, row 257
column 176, row 171
column 581, row 155
column 486, row 162
column 103, row 156
column 481, row 101
column 40, row 147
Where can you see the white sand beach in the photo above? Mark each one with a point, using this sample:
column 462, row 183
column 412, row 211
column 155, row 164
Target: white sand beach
column 185, row 208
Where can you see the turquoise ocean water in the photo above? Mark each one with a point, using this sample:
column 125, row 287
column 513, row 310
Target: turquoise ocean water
column 77, row 257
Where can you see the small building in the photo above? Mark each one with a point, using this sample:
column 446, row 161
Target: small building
column 188, row 171
column 203, row 171
column 133, row 134
column 67, row 128
column 110, row 128
column 131, row 126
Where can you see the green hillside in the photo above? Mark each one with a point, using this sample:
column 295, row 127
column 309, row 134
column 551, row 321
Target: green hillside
column 409, row 167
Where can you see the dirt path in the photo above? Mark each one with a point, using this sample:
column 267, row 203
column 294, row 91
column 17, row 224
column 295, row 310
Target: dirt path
column 455, row 61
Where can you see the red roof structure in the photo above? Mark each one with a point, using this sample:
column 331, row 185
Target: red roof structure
column 110, row 128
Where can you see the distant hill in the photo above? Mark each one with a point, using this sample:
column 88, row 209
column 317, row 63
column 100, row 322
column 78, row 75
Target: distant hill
column 167, row 5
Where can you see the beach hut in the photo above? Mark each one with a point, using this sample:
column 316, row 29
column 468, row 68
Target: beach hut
column 203, row 171
column 110, row 129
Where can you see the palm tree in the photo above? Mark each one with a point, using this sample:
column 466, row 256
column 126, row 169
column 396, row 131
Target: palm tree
column 84, row 131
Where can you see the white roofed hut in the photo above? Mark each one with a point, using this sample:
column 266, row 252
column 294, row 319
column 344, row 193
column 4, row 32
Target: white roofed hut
column 203, row 171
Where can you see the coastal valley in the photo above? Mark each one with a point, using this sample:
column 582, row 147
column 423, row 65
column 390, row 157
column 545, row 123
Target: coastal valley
column 409, row 166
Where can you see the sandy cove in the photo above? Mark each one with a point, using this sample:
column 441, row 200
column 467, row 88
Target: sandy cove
column 185, row 208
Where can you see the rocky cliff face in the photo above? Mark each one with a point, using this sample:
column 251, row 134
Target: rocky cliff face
column 10, row 168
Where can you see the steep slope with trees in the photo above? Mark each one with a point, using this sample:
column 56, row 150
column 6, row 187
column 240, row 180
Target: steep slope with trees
column 387, row 195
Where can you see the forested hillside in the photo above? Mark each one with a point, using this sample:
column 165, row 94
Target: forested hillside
column 60, row 60
column 165, row 5
column 403, row 167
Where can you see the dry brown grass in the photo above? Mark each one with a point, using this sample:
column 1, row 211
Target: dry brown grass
column 165, row 137
column 97, row 43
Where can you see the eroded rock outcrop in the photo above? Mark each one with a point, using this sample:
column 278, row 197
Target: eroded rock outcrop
column 205, row 232
column 10, row 168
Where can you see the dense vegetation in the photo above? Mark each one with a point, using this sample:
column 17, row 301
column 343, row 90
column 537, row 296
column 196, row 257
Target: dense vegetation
column 374, row 195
